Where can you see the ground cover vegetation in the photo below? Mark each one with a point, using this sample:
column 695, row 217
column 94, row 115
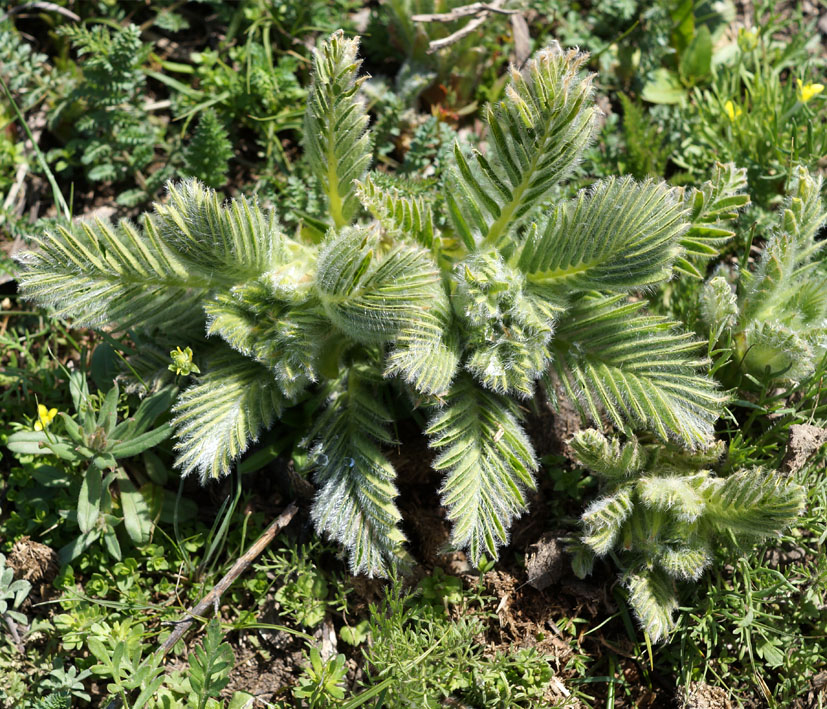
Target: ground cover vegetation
column 396, row 354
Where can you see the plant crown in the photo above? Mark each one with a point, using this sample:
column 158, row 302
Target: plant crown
column 456, row 302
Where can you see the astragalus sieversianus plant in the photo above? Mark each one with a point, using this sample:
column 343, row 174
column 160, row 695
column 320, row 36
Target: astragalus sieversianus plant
column 663, row 511
column 457, row 301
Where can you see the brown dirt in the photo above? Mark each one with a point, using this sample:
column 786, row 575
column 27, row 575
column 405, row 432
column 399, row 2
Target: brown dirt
column 546, row 562
column 36, row 563
column 704, row 696
column 804, row 441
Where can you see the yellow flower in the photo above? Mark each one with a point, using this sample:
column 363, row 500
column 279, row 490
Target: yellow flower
column 807, row 91
column 44, row 417
column 747, row 39
column 732, row 110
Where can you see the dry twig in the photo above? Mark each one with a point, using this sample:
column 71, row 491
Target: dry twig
column 475, row 8
column 240, row 565
column 211, row 599
column 478, row 10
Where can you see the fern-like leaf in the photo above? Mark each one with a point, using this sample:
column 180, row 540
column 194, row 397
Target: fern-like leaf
column 507, row 326
column 355, row 502
column 603, row 520
column 754, row 503
column 637, row 369
column 286, row 336
column 711, row 208
column 653, row 599
column 335, row 125
column 236, row 240
column 372, row 296
column 123, row 275
column 605, row 456
column 618, row 235
column 686, row 561
column 403, row 215
column 210, row 665
column 426, row 355
column 675, row 493
column 102, row 274
column 489, row 463
column 217, row 418
column 209, row 151
column 536, row 134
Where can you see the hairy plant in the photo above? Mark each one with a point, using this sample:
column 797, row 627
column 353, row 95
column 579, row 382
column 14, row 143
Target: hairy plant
column 400, row 300
column 663, row 512
column 773, row 318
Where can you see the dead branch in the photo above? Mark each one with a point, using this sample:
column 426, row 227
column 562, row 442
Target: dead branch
column 475, row 8
column 478, row 10
column 211, row 599
column 237, row 569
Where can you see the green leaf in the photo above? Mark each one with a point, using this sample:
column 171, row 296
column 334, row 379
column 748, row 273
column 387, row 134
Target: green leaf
column 653, row 600
column 136, row 513
column 336, row 140
column 110, row 541
column 682, row 13
column 536, row 135
column 89, row 500
column 371, row 297
column 664, row 87
column 489, row 463
column 754, row 503
column 711, row 209
column 404, row 216
column 140, row 443
column 618, row 235
column 148, row 411
column 636, row 368
column 108, row 414
column 696, row 60
column 355, row 504
column 41, row 443
column 210, row 665
column 217, row 418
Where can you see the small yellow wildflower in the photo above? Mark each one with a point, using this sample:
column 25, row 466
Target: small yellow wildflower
column 807, row 91
column 44, row 417
column 732, row 110
column 747, row 39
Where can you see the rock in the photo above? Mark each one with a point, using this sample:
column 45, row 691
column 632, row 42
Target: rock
column 803, row 442
column 546, row 561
